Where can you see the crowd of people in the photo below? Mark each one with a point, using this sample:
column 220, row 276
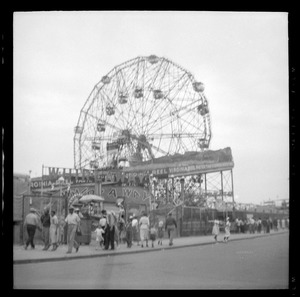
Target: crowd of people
column 250, row 225
column 110, row 231
column 52, row 229
column 216, row 229
column 113, row 230
column 259, row 225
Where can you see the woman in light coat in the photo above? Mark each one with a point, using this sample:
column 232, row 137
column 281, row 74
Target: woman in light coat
column 54, row 232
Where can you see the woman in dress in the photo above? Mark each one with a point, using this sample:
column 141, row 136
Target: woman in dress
column 144, row 229
column 216, row 230
column 227, row 230
column 54, row 230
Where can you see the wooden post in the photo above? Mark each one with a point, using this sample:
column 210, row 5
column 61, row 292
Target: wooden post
column 232, row 191
column 23, row 219
column 222, row 190
column 182, row 189
column 167, row 194
column 66, row 213
column 205, row 185
column 173, row 190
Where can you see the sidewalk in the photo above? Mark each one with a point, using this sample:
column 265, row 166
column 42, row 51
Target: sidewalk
column 22, row 256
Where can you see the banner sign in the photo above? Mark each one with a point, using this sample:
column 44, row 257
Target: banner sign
column 131, row 194
column 187, row 164
column 190, row 163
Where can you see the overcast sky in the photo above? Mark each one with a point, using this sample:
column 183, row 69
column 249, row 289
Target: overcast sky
column 242, row 58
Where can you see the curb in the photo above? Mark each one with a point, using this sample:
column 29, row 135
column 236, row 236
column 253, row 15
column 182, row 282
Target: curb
column 78, row 257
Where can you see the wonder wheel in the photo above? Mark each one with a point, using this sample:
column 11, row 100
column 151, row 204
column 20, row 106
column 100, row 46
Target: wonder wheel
column 145, row 108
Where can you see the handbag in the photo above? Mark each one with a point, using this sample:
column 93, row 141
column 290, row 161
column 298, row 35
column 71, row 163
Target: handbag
column 78, row 231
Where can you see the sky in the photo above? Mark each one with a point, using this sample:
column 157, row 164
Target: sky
column 241, row 57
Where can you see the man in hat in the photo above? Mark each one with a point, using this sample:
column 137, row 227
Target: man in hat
column 73, row 221
column 31, row 223
column 77, row 210
column 45, row 219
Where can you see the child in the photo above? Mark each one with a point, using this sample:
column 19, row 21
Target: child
column 99, row 237
column 160, row 232
column 152, row 234
column 129, row 232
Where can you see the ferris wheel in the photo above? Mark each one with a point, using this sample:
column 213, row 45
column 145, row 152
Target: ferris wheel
column 145, row 108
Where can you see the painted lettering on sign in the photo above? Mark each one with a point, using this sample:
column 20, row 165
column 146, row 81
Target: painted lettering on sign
column 113, row 193
column 127, row 192
column 136, row 195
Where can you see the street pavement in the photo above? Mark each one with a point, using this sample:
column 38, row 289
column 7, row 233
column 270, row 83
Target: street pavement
column 22, row 256
column 245, row 262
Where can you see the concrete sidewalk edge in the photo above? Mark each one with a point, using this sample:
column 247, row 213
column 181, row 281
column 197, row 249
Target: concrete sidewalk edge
column 117, row 253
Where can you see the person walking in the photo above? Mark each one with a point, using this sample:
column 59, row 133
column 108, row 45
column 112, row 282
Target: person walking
column 54, row 230
column 99, row 237
column 251, row 225
column 135, row 230
column 283, row 223
column 78, row 232
column 116, row 230
column 109, row 230
column 227, row 230
column 275, row 224
column 238, row 226
column 103, row 225
column 160, row 232
column 129, row 232
column 31, row 223
column 144, row 229
column 170, row 227
column 216, row 230
column 153, row 233
column 259, row 224
column 72, row 220
column 121, row 228
column 268, row 225
column 45, row 219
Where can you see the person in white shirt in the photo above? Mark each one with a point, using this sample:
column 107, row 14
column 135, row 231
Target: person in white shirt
column 31, row 223
column 251, row 225
column 73, row 221
column 144, row 229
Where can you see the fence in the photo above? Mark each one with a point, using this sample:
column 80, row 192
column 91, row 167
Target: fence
column 39, row 203
column 191, row 221
column 196, row 221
